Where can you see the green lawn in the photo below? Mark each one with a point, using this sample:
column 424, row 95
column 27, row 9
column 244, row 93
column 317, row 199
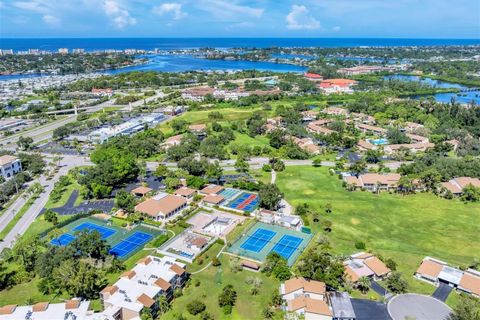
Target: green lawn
column 66, row 195
column 211, row 282
column 405, row 228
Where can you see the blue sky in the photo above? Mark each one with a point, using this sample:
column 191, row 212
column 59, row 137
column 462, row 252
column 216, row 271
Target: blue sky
column 240, row 18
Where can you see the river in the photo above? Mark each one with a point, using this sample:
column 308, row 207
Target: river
column 460, row 97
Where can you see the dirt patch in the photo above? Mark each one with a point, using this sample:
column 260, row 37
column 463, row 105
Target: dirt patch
column 355, row 221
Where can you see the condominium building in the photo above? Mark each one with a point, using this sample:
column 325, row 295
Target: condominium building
column 9, row 166
column 142, row 286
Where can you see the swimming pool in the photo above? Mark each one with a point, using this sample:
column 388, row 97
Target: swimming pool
column 378, row 142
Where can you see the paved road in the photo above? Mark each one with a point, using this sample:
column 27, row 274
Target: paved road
column 370, row 310
column 32, row 212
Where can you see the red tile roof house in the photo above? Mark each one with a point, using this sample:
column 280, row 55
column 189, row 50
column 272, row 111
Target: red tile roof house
column 413, row 147
column 306, row 144
column 456, row 185
column 197, row 128
column 374, row 181
column 319, row 127
column 368, row 128
column 313, row 76
column 435, row 271
column 335, row 111
column 306, row 297
column 163, row 209
column 364, row 264
column 212, row 200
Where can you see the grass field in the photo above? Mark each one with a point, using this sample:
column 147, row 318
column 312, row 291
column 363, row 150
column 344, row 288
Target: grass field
column 211, row 282
column 405, row 228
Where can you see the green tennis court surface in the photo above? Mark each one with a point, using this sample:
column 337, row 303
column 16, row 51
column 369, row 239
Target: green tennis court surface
column 262, row 238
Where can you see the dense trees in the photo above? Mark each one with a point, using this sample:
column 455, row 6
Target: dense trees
column 277, row 266
column 322, row 266
column 125, row 200
column 270, row 196
column 468, row 308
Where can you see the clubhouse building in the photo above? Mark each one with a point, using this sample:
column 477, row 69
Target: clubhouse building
column 163, row 208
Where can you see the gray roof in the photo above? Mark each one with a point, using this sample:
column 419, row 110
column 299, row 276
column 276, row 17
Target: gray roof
column 341, row 305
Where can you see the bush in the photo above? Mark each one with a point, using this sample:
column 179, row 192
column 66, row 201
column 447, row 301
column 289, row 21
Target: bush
column 360, row 245
column 216, row 262
column 227, row 309
column 195, row 307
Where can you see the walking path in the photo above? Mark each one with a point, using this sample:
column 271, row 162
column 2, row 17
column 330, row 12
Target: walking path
column 218, row 255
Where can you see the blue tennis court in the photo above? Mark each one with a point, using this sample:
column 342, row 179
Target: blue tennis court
column 62, row 240
column 246, row 201
column 131, row 244
column 258, row 240
column 287, row 245
column 104, row 232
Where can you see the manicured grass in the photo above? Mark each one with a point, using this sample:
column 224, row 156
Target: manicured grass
column 65, row 196
column 197, row 117
column 26, row 293
column 405, row 228
column 211, row 284
column 245, row 139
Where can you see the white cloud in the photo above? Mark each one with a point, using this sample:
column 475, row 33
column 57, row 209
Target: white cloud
column 174, row 8
column 120, row 16
column 51, row 20
column 336, row 28
column 37, row 6
column 229, row 10
column 300, row 18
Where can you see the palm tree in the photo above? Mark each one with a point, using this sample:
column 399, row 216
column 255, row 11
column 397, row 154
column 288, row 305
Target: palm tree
column 163, row 305
column 363, row 284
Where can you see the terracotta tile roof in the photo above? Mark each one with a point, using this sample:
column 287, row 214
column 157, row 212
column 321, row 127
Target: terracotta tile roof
column 453, row 188
column 177, row 269
column 213, row 198
column 373, row 178
column 250, row 264
column 185, row 191
column 8, row 309
column 6, row 159
column 141, row 190
column 146, row 300
column 312, row 286
column 353, row 181
column 464, row 181
column 39, row 307
column 350, row 274
column 72, row 304
column 163, row 284
column 162, row 207
column 128, row 274
column 370, row 128
column 377, row 266
column 365, row 145
column 145, row 261
column 313, row 75
column 471, row 282
column 212, row 189
column 174, row 139
column 430, row 268
column 110, row 289
column 335, row 110
column 310, row 306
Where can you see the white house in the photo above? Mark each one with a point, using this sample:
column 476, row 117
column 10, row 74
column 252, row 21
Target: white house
column 9, row 166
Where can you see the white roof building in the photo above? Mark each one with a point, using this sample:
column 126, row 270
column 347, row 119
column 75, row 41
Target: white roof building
column 74, row 309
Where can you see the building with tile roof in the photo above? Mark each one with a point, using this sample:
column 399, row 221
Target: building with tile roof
column 70, row 309
column 162, row 209
column 365, row 265
column 140, row 287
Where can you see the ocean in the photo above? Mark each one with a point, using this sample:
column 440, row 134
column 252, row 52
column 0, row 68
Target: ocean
column 93, row 44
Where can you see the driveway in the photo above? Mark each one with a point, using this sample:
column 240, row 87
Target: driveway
column 370, row 310
column 442, row 292
column 375, row 286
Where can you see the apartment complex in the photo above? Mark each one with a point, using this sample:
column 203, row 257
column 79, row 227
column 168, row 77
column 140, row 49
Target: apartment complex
column 141, row 287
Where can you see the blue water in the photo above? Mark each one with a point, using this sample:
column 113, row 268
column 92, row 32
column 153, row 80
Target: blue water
column 461, row 97
column 179, row 63
column 292, row 56
column 378, row 142
column 92, row 44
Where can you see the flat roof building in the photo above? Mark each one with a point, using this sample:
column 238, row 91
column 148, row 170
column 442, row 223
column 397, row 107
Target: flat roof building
column 342, row 306
column 69, row 310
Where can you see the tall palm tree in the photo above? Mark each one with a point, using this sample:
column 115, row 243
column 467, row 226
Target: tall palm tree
column 363, row 284
column 163, row 305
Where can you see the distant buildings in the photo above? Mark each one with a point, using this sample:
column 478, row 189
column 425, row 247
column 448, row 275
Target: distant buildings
column 435, row 271
column 127, row 128
column 363, row 70
column 63, row 50
column 331, row 86
column 364, row 264
column 374, row 182
column 69, row 310
column 9, row 166
column 78, row 51
column 141, row 287
column 456, row 185
column 103, row 92
column 313, row 77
